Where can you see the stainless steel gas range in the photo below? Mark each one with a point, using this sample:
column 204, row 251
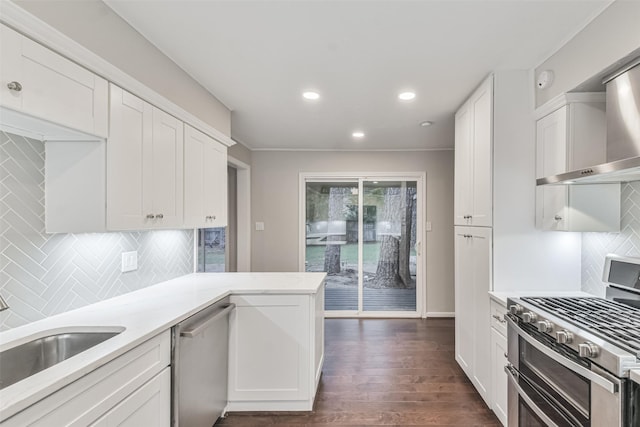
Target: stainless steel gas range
column 573, row 360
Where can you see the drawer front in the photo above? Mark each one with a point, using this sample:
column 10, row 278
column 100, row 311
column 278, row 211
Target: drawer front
column 497, row 317
column 85, row 400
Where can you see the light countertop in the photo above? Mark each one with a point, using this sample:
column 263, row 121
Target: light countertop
column 144, row 314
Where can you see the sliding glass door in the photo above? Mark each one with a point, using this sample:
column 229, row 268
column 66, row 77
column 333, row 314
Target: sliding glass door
column 365, row 234
column 332, row 240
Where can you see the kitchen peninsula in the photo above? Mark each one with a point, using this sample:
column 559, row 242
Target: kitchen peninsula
column 289, row 305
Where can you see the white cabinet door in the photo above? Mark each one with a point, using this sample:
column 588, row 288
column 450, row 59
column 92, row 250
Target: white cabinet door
column 464, row 304
column 482, row 107
column 472, row 284
column 144, row 165
column 165, row 164
column 150, row 405
column 205, row 182
column 51, row 87
column 473, row 159
column 272, row 353
column 569, row 138
column 130, row 141
column 463, row 185
column 499, row 350
column 215, row 178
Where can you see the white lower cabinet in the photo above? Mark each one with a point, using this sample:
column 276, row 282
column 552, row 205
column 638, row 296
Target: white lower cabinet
column 499, row 361
column 128, row 391
column 150, row 405
column 275, row 352
column 472, row 284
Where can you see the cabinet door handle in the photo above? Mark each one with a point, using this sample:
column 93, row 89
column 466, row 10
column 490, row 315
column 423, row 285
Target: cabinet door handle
column 14, row 86
column 151, row 216
column 160, row 216
column 495, row 316
column 557, row 218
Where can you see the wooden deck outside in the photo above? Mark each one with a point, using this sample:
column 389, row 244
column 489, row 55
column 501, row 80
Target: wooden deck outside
column 374, row 299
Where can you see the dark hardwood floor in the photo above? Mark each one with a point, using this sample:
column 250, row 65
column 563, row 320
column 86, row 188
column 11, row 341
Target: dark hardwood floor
column 398, row 372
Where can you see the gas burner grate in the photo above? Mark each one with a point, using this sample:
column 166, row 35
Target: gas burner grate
column 614, row 322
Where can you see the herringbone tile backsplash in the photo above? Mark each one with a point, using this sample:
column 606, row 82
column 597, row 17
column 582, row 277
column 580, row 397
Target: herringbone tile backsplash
column 627, row 242
column 45, row 274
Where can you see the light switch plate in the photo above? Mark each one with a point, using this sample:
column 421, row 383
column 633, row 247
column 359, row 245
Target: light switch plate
column 428, row 226
column 259, row 226
column 129, row 261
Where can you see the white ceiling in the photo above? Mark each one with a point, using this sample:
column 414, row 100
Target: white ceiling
column 257, row 57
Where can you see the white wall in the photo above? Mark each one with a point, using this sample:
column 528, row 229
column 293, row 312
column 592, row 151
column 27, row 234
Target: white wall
column 275, row 180
column 95, row 26
column 611, row 36
column 524, row 258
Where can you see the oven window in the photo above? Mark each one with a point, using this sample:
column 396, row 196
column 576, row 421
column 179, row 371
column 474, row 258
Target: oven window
column 562, row 388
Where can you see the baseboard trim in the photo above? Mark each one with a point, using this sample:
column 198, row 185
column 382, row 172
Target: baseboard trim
column 440, row 314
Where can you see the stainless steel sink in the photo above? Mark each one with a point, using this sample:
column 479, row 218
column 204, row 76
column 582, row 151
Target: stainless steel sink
column 22, row 361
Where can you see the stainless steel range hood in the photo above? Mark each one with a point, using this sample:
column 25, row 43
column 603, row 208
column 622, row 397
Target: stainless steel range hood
column 623, row 134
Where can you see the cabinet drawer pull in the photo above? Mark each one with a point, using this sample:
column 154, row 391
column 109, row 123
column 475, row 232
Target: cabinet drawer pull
column 150, row 216
column 14, row 86
column 160, row 216
column 557, row 218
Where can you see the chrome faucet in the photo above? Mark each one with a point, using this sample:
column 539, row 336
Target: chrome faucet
column 3, row 304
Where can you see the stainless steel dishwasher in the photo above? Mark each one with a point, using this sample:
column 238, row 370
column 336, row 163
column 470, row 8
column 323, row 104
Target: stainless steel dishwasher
column 199, row 366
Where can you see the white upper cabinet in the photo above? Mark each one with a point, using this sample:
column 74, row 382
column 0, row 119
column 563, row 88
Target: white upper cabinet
column 144, row 165
column 40, row 83
column 473, row 154
column 205, row 180
column 571, row 134
column 167, row 173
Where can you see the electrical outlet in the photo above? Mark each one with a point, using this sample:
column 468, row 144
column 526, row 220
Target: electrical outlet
column 129, row 261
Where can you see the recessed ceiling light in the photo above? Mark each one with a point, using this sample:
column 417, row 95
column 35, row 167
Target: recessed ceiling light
column 426, row 123
column 406, row 96
column 311, row 95
column 358, row 134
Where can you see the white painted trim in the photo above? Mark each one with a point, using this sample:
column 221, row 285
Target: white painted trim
column 243, row 211
column 440, row 314
column 353, row 149
column 568, row 98
column 195, row 250
column 30, row 26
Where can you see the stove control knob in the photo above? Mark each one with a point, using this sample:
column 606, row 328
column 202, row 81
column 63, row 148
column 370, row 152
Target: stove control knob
column 529, row 317
column 545, row 326
column 564, row 337
column 587, row 349
column 515, row 309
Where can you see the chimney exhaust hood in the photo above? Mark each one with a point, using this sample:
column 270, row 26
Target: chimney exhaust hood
column 623, row 135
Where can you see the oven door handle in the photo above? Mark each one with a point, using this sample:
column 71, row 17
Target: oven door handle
column 535, row 408
column 590, row 375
